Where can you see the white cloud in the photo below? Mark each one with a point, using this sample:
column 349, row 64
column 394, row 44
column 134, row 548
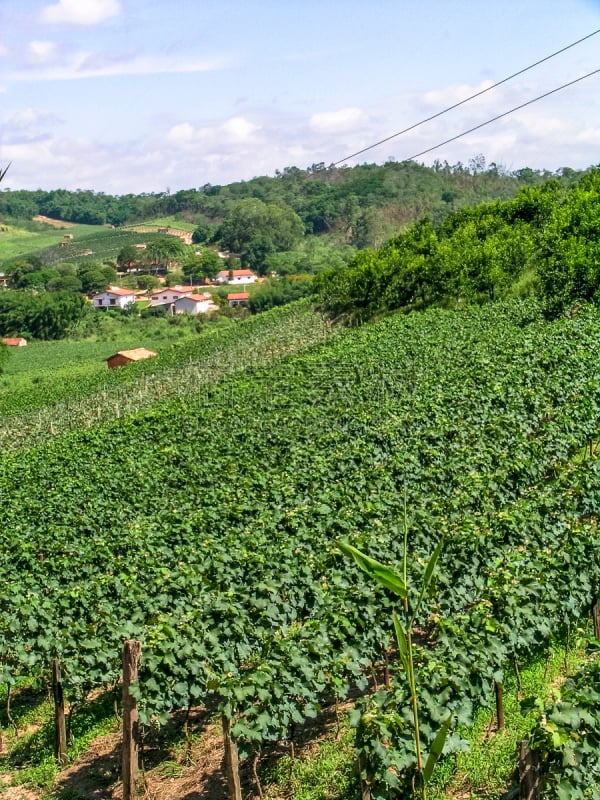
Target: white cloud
column 26, row 117
column 181, row 134
column 99, row 65
column 231, row 132
column 81, row 12
column 449, row 95
column 346, row 119
column 41, row 52
column 239, row 128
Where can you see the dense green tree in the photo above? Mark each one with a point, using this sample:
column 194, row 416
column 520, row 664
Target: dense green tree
column 278, row 293
column 165, row 250
column 3, row 357
column 127, row 256
column 203, row 265
column 44, row 315
column 147, row 282
column 60, row 283
column 253, row 229
column 96, row 277
column 570, row 267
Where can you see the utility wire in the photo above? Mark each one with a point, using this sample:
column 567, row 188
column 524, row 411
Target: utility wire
column 505, row 114
column 467, row 99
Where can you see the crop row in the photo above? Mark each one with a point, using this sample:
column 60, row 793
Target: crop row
column 207, row 527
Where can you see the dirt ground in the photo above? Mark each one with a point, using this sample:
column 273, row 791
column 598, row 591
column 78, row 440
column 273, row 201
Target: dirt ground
column 58, row 223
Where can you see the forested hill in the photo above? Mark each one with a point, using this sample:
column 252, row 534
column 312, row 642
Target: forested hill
column 366, row 204
column 544, row 241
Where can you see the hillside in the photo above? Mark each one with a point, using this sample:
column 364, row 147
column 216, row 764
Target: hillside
column 360, row 206
column 205, row 525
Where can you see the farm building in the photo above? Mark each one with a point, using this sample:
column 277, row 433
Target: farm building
column 17, row 342
column 195, row 304
column 113, row 297
column 124, row 357
column 236, row 276
column 169, row 294
column 237, row 298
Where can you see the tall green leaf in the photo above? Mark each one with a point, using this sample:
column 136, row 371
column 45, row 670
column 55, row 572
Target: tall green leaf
column 436, row 749
column 375, row 570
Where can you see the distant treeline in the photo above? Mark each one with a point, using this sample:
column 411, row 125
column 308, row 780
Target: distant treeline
column 367, row 202
column 544, row 241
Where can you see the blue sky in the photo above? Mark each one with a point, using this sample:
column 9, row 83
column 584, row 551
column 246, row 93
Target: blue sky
column 146, row 95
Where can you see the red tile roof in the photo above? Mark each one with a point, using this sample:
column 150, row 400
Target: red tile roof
column 119, row 292
column 238, row 295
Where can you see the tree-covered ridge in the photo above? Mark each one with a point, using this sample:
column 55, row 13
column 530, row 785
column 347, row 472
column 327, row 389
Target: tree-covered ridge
column 544, row 240
column 325, row 199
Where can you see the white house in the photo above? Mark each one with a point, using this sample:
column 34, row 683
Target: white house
column 236, row 276
column 195, row 304
column 113, row 297
column 238, row 298
column 169, row 294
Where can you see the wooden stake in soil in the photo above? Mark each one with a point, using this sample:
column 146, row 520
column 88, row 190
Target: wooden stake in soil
column 596, row 618
column 131, row 659
column 499, row 706
column 60, row 728
column 232, row 762
column 529, row 772
column 386, row 670
column 365, row 783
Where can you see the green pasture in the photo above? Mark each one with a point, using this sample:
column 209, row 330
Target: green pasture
column 16, row 242
column 48, row 364
column 171, row 222
column 104, row 244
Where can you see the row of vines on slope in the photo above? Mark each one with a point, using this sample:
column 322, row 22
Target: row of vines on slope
column 206, row 527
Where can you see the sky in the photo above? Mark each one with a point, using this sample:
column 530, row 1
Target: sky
column 134, row 96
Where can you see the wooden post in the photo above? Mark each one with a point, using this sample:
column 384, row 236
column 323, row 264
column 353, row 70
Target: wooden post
column 365, row 783
column 386, row 671
column 529, row 772
column 499, row 706
column 131, row 658
column 60, row 729
column 232, row 762
column 596, row 618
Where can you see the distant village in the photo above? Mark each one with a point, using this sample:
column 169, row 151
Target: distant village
column 179, row 299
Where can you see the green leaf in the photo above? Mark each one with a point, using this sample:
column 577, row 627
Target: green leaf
column 436, row 749
column 402, row 644
column 375, row 570
column 428, row 575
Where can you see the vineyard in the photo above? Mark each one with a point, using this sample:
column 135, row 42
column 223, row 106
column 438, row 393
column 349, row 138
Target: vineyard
column 204, row 522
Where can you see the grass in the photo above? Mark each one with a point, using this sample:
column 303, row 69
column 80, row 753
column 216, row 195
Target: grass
column 487, row 770
column 325, row 771
column 28, row 755
column 170, row 222
column 16, row 242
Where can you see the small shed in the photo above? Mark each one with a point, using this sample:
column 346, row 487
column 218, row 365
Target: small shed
column 16, row 342
column 124, row 357
column 237, row 298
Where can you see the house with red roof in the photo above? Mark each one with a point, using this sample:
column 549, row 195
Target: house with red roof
column 236, row 276
column 237, row 298
column 114, row 297
column 195, row 304
column 124, row 357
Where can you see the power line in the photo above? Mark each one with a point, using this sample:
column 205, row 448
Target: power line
column 505, row 114
column 467, row 99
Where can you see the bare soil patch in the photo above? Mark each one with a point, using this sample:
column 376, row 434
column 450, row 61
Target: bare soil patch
column 57, row 223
